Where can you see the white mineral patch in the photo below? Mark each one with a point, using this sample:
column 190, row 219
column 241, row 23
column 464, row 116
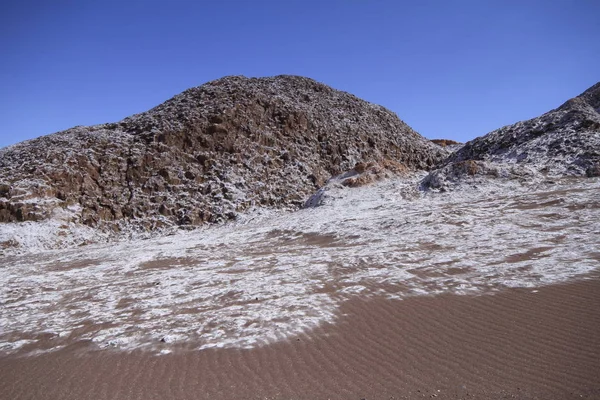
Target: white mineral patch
column 277, row 275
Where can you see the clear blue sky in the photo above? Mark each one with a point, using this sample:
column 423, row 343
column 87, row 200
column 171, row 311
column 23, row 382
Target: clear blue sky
column 450, row 69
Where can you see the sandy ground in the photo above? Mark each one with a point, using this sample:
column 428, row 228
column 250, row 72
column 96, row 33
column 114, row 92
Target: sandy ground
column 382, row 293
column 518, row 343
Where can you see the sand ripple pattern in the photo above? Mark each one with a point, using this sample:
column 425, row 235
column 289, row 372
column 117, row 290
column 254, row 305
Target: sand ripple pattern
column 278, row 275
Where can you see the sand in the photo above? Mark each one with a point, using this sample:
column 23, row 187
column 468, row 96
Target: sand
column 541, row 343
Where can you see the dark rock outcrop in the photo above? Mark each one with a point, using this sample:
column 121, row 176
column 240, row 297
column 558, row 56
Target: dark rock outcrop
column 206, row 155
column 564, row 141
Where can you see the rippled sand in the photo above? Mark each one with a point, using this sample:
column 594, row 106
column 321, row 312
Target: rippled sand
column 518, row 343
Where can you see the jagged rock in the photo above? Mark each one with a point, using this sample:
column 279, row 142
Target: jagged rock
column 206, row 155
column 593, row 170
column 564, row 141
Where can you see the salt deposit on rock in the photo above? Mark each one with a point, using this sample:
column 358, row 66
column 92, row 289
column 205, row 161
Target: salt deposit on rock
column 564, row 141
column 206, row 155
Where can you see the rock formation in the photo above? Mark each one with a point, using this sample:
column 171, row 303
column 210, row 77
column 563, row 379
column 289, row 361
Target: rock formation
column 564, row 141
column 205, row 155
column 446, row 142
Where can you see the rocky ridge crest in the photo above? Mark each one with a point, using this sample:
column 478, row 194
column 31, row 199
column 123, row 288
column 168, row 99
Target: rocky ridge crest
column 563, row 141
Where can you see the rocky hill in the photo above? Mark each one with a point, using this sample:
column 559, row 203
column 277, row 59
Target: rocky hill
column 564, row 141
column 206, row 155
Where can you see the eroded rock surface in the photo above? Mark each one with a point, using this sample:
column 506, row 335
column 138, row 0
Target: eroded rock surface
column 205, row 155
column 564, row 141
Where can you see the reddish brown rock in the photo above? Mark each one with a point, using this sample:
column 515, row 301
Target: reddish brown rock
column 207, row 154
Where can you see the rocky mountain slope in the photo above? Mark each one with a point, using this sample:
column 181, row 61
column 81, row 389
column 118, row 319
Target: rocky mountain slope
column 564, row 141
column 206, row 155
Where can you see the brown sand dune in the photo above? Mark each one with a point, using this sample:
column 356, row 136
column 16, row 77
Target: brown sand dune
column 523, row 343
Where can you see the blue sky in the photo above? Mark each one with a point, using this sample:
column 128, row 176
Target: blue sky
column 450, row 69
